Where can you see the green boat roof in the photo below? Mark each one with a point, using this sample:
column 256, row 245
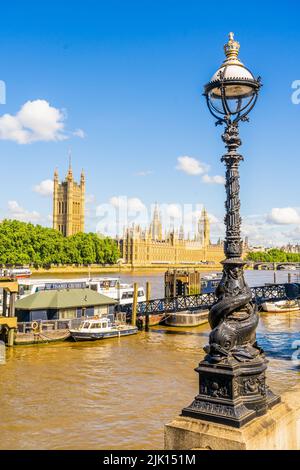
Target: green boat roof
column 63, row 298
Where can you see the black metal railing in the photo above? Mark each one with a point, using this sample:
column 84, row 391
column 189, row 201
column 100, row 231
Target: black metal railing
column 204, row 301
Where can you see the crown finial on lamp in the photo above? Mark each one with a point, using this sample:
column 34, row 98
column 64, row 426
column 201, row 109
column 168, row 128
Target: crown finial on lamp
column 232, row 48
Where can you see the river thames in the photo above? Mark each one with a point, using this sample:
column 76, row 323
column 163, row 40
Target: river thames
column 119, row 393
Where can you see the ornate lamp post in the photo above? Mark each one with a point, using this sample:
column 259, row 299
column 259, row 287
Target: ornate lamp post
column 232, row 379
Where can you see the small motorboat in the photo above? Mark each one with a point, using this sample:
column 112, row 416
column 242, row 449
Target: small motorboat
column 101, row 328
column 281, row 306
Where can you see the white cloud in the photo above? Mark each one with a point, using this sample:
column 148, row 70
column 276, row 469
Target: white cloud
column 44, row 188
column 217, row 179
column 294, row 235
column 262, row 230
column 19, row 213
column 133, row 204
column 117, row 201
column 36, row 121
column 174, row 211
column 284, row 216
column 79, row 133
column 191, row 166
column 213, row 219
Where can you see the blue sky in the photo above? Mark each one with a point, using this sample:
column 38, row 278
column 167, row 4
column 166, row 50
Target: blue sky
column 120, row 83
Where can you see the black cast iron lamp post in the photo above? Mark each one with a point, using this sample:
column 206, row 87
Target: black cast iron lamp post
column 232, row 383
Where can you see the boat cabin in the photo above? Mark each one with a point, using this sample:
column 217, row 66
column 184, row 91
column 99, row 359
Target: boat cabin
column 111, row 287
column 63, row 304
column 210, row 282
column 101, row 323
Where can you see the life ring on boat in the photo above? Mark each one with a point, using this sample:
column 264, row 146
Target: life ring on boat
column 35, row 326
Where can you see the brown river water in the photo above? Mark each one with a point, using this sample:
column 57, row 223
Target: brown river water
column 119, row 393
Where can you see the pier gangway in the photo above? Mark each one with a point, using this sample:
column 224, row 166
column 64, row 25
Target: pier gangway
column 260, row 294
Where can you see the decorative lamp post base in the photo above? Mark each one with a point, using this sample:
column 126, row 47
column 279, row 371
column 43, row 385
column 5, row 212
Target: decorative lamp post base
column 232, row 393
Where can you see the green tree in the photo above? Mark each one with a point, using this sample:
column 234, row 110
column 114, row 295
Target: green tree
column 274, row 255
column 25, row 243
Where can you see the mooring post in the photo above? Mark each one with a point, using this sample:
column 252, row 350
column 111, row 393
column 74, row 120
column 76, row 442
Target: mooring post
column 148, row 291
column 10, row 337
column 289, row 278
column 147, row 321
column 12, row 301
column 2, row 352
column 148, row 295
column 134, row 305
column 11, row 313
column 4, row 302
column 274, row 277
column 174, row 284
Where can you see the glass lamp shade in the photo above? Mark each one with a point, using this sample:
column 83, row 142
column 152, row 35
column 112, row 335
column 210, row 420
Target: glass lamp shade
column 231, row 90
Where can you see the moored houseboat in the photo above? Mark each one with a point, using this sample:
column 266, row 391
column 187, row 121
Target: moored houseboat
column 47, row 316
column 109, row 286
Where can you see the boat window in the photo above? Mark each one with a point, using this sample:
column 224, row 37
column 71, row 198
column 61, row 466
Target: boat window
column 38, row 315
column 104, row 284
column 140, row 293
column 104, row 325
column 95, row 325
column 94, row 287
column 86, row 324
column 21, row 290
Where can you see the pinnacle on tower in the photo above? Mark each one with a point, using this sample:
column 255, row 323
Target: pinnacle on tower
column 70, row 171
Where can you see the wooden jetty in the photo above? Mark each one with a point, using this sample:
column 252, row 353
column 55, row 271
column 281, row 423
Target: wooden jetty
column 40, row 337
column 8, row 321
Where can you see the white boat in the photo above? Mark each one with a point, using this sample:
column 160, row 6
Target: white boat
column 210, row 282
column 111, row 287
column 281, row 306
column 117, row 290
column 19, row 273
column 101, row 328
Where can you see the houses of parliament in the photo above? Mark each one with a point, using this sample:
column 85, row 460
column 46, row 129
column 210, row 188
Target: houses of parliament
column 137, row 247
column 148, row 247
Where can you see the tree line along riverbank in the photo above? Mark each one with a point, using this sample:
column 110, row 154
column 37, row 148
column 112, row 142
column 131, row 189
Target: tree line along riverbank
column 274, row 255
column 23, row 243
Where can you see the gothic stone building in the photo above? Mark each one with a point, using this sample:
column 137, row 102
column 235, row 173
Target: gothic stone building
column 68, row 204
column 148, row 247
